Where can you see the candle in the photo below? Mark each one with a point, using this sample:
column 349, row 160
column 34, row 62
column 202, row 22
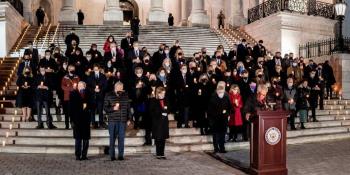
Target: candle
column 186, row 86
column 13, row 119
column 3, row 143
column 3, row 99
column 165, row 86
column 195, row 80
column 75, row 85
column 2, row 105
column 84, row 105
column 117, row 106
column 343, row 118
column 200, row 92
column 199, row 69
column 96, row 86
column 224, row 111
column 0, row 92
column 48, row 68
column 236, row 101
column 228, row 85
column 346, row 112
column 15, row 111
column 7, row 134
column 277, row 94
column 15, row 92
column 165, row 107
column 10, row 126
column 331, row 107
column 42, row 83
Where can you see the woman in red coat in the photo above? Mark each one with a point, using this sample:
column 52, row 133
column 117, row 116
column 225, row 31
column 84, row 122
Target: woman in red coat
column 106, row 46
column 235, row 122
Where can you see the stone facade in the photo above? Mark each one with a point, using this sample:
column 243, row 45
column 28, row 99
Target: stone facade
column 10, row 27
column 284, row 31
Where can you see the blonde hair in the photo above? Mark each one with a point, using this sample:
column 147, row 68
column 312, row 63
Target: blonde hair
column 235, row 86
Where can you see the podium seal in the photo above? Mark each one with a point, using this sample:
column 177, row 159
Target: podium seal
column 273, row 136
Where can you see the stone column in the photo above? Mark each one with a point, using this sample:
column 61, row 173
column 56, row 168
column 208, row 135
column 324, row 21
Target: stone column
column 237, row 16
column 157, row 14
column 184, row 14
column 198, row 15
column 68, row 14
column 341, row 69
column 112, row 13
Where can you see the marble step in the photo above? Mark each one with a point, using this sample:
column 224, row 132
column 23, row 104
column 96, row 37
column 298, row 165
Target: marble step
column 129, row 150
column 25, row 132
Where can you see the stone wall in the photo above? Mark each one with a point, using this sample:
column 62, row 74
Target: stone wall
column 11, row 25
column 284, row 31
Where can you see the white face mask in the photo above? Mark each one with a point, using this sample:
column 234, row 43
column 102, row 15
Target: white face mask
column 65, row 66
column 139, row 75
column 167, row 64
column 109, row 65
column 290, row 84
column 221, row 95
column 166, row 51
column 47, row 56
column 97, row 72
column 162, row 74
column 88, row 58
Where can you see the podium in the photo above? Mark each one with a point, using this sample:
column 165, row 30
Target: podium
column 268, row 143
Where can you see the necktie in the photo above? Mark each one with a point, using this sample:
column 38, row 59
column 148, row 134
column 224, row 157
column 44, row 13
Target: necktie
column 137, row 53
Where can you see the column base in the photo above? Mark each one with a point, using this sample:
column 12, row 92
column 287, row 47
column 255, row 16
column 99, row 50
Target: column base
column 184, row 22
column 68, row 17
column 158, row 18
column 113, row 17
column 198, row 19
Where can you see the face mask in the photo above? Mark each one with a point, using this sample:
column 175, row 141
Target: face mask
column 184, row 71
column 295, row 64
column 221, row 95
column 97, row 72
column 72, row 72
column 42, row 72
column 139, row 75
column 109, row 65
column 166, row 51
column 27, row 73
column 136, row 48
column 260, row 76
column 47, row 56
column 162, row 74
column 88, row 58
column 290, row 84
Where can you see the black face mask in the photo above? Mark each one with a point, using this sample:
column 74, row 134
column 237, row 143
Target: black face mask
column 72, row 72
column 146, row 61
column 27, row 73
column 260, row 76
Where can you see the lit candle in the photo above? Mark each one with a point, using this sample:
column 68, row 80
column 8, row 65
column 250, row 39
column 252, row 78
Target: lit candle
column 75, row 85
column 13, row 119
column 224, row 111
column 2, row 105
column 3, row 143
column 186, row 86
column 165, row 107
column 42, row 83
column 84, row 105
column 117, row 105
column 15, row 92
column 165, row 86
column 7, row 134
column 228, row 85
column 10, row 126
column 3, row 99
column 195, row 80
column 15, row 111
column 199, row 69
column 96, row 86
column 346, row 112
column 331, row 107
column 200, row 92
column 0, row 92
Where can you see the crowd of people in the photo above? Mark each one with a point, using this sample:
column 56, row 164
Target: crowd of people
column 219, row 94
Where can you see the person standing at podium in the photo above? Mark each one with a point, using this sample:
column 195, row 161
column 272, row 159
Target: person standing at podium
column 254, row 103
column 219, row 108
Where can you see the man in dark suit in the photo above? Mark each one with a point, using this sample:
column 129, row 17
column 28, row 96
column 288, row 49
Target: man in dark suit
column 97, row 83
column 135, row 27
column 127, row 43
column 26, row 63
column 40, row 16
column 32, row 52
column 259, row 50
column 242, row 51
column 43, row 86
column 158, row 57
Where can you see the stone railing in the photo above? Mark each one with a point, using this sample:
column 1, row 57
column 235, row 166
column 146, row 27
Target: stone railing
column 309, row 7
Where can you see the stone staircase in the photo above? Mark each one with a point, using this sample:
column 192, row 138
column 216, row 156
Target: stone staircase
column 233, row 36
column 192, row 39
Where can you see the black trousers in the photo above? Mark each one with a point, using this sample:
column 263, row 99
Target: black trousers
column 219, row 141
column 234, row 131
column 99, row 111
column 246, row 130
column 148, row 138
column 81, row 147
column 329, row 91
column 40, row 105
column 292, row 118
column 313, row 113
column 321, row 95
column 160, row 147
column 66, row 113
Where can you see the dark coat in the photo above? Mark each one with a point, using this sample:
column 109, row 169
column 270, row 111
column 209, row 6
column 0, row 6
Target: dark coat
column 171, row 20
column 328, row 74
column 43, row 94
column 126, row 46
column 252, row 106
column 70, row 37
column 302, row 98
column 160, row 122
column 121, row 115
column 21, row 67
column 218, row 111
column 35, row 55
column 80, row 116
column 101, row 82
column 25, row 97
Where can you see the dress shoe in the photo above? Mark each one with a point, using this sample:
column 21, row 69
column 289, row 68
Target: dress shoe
column 113, row 159
column 223, row 151
column 84, row 158
column 52, row 126
column 40, row 127
column 120, row 158
column 77, row 158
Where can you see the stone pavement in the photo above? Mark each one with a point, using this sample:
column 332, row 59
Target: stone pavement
column 177, row 164
column 323, row 158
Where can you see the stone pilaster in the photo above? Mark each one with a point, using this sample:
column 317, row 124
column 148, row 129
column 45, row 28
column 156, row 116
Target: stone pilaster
column 68, row 14
column 157, row 14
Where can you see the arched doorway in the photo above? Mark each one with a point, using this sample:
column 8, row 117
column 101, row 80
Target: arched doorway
column 130, row 9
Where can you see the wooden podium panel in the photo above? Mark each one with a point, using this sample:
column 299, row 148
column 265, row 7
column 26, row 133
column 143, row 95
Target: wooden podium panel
column 268, row 143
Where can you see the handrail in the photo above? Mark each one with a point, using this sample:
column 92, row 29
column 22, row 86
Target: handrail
column 309, row 7
column 45, row 38
column 20, row 41
column 54, row 35
column 36, row 36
